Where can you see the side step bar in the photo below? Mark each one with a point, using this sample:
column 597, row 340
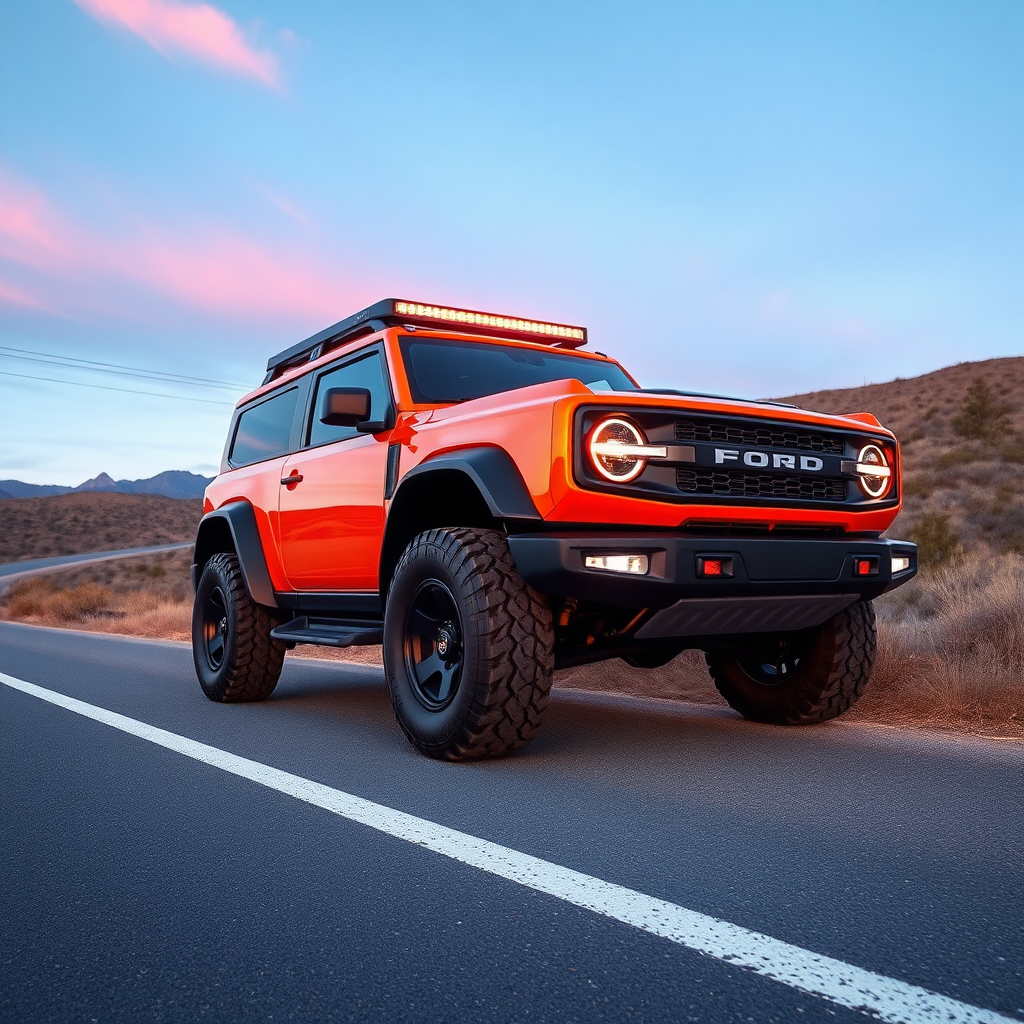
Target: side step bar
column 329, row 632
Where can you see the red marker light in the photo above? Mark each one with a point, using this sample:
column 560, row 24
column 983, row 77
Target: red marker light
column 716, row 567
column 865, row 566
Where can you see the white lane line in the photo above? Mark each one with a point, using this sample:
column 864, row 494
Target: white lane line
column 884, row 998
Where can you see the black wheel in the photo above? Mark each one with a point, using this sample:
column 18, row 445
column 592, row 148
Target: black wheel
column 468, row 646
column 236, row 658
column 801, row 678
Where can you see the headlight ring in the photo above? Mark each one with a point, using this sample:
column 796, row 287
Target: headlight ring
column 873, row 470
column 619, row 451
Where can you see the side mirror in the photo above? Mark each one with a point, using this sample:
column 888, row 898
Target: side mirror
column 345, row 407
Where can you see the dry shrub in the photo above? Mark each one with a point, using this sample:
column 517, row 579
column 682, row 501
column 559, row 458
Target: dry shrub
column 955, row 651
column 38, row 598
column 936, row 542
column 79, row 603
column 27, row 597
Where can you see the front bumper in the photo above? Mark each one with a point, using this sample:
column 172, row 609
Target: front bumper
column 775, row 583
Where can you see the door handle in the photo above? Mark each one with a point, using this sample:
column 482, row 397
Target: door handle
column 295, row 478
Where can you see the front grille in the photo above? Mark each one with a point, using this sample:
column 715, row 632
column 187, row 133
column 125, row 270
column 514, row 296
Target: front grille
column 763, row 437
column 736, row 483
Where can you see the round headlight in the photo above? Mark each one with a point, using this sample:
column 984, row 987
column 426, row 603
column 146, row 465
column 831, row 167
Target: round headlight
column 873, row 470
column 612, row 465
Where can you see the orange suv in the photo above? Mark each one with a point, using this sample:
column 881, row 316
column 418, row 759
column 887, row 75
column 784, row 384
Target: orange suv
column 490, row 501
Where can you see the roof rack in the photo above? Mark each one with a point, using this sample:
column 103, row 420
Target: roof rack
column 395, row 312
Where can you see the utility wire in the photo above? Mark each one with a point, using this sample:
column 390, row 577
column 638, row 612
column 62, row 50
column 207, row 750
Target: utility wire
column 104, row 387
column 155, row 376
column 78, row 363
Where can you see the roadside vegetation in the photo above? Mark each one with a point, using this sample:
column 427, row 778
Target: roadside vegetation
column 951, row 642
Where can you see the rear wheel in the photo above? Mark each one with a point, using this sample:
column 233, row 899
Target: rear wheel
column 235, row 656
column 468, row 646
column 801, row 678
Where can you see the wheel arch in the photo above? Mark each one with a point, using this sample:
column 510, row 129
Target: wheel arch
column 233, row 528
column 479, row 487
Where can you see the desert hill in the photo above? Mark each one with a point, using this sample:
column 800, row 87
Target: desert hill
column 69, row 524
column 977, row 483
column 174, row 483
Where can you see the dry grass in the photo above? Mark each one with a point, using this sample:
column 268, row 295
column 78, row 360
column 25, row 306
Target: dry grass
column 149, row 596
column 951, row 649
column 71, row 524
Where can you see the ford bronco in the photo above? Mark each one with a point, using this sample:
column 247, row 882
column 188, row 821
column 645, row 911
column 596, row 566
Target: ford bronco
column 490, row 501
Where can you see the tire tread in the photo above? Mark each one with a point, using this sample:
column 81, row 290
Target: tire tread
column 253, row 671
column 517, row 642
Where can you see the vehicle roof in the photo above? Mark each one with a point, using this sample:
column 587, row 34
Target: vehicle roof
column 292, row 373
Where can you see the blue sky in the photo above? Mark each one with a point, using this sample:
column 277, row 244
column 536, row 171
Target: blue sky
column 758, row 197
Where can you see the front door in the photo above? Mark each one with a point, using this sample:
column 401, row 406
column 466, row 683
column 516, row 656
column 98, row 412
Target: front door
column 332, row 519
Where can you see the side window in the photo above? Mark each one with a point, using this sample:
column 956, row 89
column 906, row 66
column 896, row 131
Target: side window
column 363, row 373
column 263, row 431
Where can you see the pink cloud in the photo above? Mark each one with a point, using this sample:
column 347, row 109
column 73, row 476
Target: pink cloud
column 196, row 30
column 31, row 230
column 214, row 269
column 12, row 295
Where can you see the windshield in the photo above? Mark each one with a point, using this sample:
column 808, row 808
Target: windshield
column 440, row 370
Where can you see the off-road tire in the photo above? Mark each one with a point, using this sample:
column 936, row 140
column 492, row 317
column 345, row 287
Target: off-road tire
column 250, row 659
column 828, row 668
column 503, row 630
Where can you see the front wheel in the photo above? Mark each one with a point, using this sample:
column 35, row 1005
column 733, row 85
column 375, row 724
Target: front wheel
column 468, row 646
column 801, row 678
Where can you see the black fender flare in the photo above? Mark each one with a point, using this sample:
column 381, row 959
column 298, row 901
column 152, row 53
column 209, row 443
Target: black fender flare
column 495, row 474
column 238, row 520
column 490, row 472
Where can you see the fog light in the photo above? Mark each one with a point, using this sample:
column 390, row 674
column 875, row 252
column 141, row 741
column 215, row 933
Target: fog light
column 900, row 563
column 637, row 565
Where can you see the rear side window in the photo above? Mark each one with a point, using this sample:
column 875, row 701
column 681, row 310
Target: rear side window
column 264, row 430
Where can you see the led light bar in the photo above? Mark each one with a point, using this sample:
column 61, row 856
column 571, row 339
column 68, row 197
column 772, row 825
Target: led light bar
column 471, row 318
column 396, row 312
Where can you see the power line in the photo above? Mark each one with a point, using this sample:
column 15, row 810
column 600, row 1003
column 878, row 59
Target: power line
column 155, row 375
column 104, row 387
column 25, row 353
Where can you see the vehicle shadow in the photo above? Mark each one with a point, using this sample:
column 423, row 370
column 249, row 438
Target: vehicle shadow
column 584, row 732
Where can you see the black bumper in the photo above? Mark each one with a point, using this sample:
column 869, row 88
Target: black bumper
column 775, row 583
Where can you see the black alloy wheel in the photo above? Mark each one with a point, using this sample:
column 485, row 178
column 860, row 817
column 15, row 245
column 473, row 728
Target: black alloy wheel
column 778, row 666
column 215, row 628
column 432, row 643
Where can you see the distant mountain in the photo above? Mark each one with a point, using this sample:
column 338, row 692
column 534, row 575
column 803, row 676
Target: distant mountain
column 174, row 483
column 16, row 489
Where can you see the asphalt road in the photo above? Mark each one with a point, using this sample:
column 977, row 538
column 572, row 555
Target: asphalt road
column 30, row 566
column 140, row 884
